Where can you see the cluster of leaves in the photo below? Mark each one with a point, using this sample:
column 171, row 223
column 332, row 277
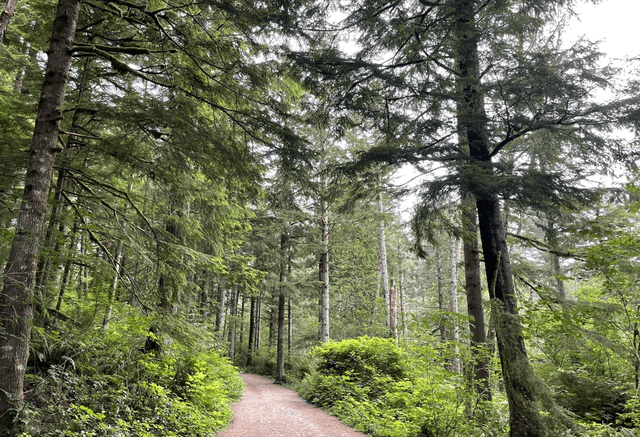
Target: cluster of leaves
column 387, row 391
column 101, row 383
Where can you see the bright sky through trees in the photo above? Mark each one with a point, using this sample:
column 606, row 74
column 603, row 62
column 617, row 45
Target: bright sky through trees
column 613, row 22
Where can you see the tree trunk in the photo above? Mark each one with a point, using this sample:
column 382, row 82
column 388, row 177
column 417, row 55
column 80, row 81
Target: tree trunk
column 252, row 314
column 453, row 304
column 221, row 304
column 233, row 312
column 393, row 310
column 525, row 418
column 7, row 14
column 324, row 274
column 442, row 328
column 384, row 273
column 403, row 308
column 258, row 322
column 282, row 295
column 475, row 310
column 16, row 311
column 114, row 286
column 289, row 327
column 552, row 240
column 67, row 266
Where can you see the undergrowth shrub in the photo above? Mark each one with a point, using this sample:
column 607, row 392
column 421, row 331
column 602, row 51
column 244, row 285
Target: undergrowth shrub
column 105, row 385
column 385, row 391
column 296, row 367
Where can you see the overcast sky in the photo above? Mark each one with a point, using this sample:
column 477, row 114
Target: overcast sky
column 615, row 22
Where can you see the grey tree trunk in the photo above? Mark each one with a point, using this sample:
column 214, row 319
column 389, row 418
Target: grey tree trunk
column 453, row 295
column 16, row 310
column 114, row 286
column 252, row 323
column 324, row 273
column 393, row 310
column 221, row 304
column 525, row 418
column 403, row 308
column 384, row 273
column 282, row 296
column 233, row 312
column 5, row 17
column 473, row 288
column 67, row 265
column 443, row 332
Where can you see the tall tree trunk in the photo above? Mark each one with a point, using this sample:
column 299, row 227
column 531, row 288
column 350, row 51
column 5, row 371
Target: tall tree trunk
column 282, row 295
column 233, row 312
column 453, row 304
column 393, row 310
column 258, row 321
column 403, row 307
column 475, row 310
column 252, row 315
column 16, row 310
column 5, row 18
column 442, row 328
column 552, row 240
column 384, row 273
column 289, row 325
column 204, row 298
column 525, row 418
column 67, row 265
column 114, row 286
column 324, row 273
column 221, row 304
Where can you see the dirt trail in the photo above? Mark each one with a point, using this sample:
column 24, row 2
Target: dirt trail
column 270, row 410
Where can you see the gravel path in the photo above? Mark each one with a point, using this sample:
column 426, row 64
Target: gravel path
column 270, row 410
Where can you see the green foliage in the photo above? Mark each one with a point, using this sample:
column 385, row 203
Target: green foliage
column 296, row 367
column 363, row 359
column 100, row 383
column 385, row 391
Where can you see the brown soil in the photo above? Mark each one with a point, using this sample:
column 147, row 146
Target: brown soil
column 270, row 410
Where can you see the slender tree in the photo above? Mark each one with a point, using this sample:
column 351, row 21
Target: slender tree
column 16, row 310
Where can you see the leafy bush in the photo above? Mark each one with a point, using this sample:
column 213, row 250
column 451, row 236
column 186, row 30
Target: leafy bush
column 382, row 390
column 104, row 385
column 296, row 367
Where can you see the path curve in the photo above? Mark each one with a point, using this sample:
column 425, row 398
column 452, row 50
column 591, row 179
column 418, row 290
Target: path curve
column 270, row 410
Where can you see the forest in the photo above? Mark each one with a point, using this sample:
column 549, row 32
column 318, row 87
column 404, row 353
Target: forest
column 419, row 214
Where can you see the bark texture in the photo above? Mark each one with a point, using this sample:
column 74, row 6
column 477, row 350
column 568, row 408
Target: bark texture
column 282, row 296
column 16, row 310
column 525, row 418
column 383, row 261
column 5, row 17
column 473, row 289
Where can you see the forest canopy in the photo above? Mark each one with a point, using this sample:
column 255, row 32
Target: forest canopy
column 420, row 213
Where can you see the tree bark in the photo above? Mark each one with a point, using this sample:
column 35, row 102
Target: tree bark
column 282, row 295
column 221, row 304
column 525, row 418
column 67, row 266
column 289, row 327
column 473, row 288
column 114, row 286
column 233, row 312
column 453, row 301
column 16, row 310
column 5, row 18
column 383, row 261
column 403, row 308
column 324, row 273
column 441, row 327
column 393, row 310
column 252, row 315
